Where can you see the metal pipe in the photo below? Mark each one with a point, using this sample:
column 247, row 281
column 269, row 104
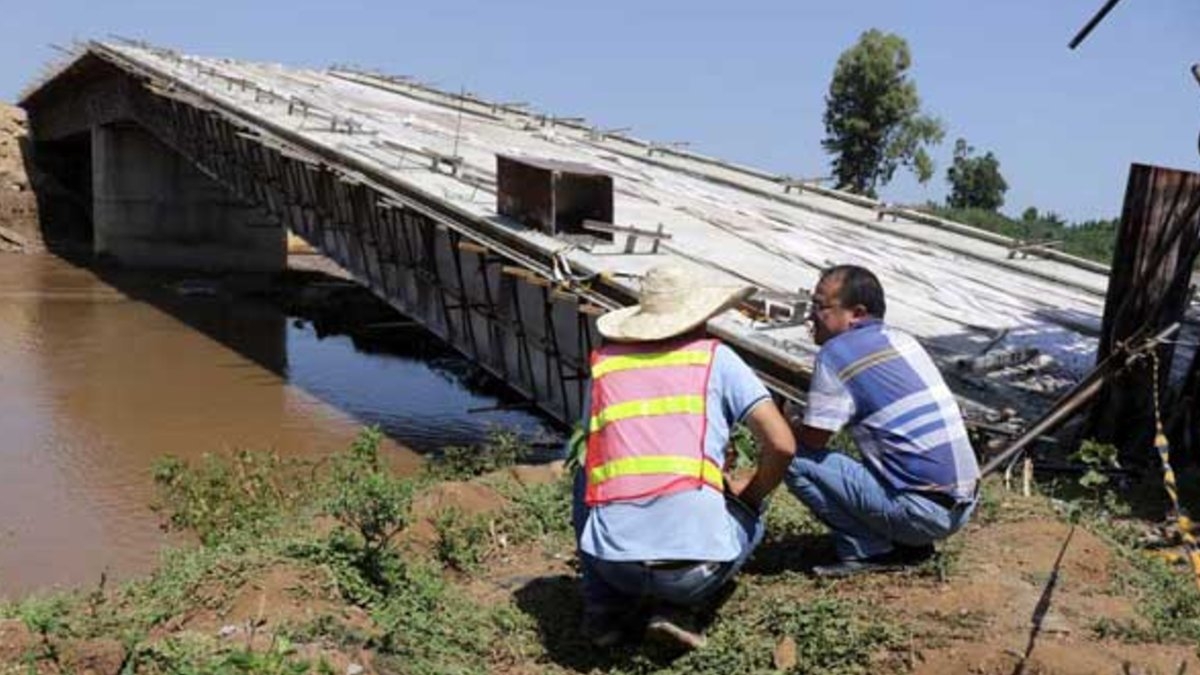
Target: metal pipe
column 1078, row 396
column 1083, row 32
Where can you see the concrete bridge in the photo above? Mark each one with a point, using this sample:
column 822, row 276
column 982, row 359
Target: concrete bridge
column 505, row 231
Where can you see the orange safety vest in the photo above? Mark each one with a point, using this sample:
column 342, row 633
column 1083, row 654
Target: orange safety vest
column 647, row 423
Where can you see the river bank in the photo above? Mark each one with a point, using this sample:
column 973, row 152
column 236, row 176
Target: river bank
column 467, row 567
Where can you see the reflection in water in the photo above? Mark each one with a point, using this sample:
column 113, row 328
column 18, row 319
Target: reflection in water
column 96, row 383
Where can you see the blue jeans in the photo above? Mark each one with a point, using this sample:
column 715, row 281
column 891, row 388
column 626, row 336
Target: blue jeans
column 868, row 519
column 612, row 586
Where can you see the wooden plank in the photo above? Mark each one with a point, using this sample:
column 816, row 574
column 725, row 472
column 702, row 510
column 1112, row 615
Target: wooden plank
column 524, row 275
column 472, row 247
column 1158, row 241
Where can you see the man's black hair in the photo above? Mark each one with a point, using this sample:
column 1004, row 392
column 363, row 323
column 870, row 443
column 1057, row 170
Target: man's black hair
column 859, row 286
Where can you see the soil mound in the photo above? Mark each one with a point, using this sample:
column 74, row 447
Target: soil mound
column 18, row 206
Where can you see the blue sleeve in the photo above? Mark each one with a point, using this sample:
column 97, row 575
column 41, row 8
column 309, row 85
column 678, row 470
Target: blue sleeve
column 740, row 388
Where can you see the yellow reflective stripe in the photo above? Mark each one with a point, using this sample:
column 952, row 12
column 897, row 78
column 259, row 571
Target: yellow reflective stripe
column 874, row 359
column 669, row 464
column 646, row 407
column 612, row 364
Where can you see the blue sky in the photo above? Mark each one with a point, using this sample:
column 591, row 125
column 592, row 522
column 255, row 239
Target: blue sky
column 744, row 81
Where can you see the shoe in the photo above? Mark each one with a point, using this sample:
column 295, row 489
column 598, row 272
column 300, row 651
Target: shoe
column 900, row 557
column 677, row 628
column 601, row 630
column 913, row 555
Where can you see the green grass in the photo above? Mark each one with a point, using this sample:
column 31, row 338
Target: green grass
column 1167, row 599
column 222, row 496
column 193, row 656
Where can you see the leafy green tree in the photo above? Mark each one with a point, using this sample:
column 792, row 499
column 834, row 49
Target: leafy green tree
column 873, row 120
column 975, row 182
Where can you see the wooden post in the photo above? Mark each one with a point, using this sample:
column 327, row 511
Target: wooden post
column 1155, row 249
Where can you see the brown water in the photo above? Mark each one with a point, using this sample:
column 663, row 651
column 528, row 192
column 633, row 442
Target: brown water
column 101, row 377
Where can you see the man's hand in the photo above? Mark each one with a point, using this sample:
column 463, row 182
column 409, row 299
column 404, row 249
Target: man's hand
column 736, row 486
column 810, row 439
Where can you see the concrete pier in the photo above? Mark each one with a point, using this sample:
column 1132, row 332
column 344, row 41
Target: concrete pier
column 154, row 208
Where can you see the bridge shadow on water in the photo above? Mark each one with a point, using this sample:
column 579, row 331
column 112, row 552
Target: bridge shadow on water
column 323, row 335
column 338, row 343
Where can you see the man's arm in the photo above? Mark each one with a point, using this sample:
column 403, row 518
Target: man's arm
column 777, row 446
column 808, row 438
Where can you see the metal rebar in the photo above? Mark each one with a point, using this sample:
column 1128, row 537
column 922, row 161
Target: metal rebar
column 1078, row 396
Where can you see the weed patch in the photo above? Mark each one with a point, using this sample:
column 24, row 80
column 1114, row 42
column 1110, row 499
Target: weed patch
column 462, row 541
column 221, row 496
column 45, row 617
column 539, row 512
column 830, row 636
column 427, row 627
column 500, row 449
column 201, row 657
column 1167, row 599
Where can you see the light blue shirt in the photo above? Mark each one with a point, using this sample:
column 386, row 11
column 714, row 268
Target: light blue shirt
column 691, row 524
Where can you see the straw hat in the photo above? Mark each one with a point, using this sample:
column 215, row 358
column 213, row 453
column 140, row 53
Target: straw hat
column 673, row 301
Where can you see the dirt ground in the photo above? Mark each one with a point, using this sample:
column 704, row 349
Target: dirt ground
column 1021, row 593
column 18, row 206
column 1006, row 601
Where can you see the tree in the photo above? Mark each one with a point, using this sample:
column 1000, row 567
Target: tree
column 873, row 120
column 975, row 182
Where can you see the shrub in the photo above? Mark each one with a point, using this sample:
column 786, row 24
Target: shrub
column 370, row 502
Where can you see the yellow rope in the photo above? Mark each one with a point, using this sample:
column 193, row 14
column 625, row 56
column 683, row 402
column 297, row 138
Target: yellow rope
column 1182, row 522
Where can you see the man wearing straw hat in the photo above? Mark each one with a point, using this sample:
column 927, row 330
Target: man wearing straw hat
column 918, row 478
column 660, row 533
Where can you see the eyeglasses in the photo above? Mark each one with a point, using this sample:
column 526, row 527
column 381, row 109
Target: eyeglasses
column 815, row 307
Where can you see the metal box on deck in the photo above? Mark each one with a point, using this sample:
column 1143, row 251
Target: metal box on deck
column 552, row 196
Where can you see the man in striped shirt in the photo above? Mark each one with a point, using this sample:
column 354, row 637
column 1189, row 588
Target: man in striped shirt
column 917, row 481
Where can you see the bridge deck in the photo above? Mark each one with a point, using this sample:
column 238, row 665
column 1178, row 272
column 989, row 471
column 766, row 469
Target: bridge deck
column 956, row 289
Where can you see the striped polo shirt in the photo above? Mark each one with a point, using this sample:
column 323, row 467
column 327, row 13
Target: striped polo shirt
column 907, row 425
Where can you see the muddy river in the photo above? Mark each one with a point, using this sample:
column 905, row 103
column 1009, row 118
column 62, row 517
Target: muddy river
column 102, row 373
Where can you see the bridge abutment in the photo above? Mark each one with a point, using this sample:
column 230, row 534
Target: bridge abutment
column 153, row 208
